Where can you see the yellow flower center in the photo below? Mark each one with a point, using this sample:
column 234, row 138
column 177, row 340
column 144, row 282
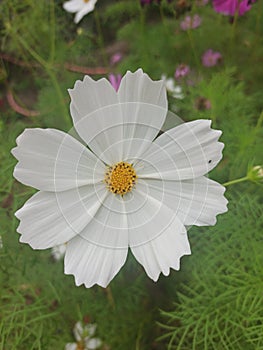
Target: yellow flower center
column 86, row 1
column 120, row 178
column 80, row 345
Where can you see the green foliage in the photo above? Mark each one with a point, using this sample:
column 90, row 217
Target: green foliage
column 221, row 305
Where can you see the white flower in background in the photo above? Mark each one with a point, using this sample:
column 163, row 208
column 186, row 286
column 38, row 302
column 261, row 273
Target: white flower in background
column 58, row 251
column 174, row 90
column 1, row 242
column 256, row 174
column 80, row 7
column 129, row 189
column 84, row 338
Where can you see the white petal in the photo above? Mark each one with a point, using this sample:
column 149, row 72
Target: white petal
column 144, row 108
column 48, row 219
column 78, row 331
column 91, row 264
column 147, row 216
column 138, row 87
column 137, row 111
column 93, row 343
column 73, row 5
column 194, row 202
column 58, row 252
column 109, row 227
column 88, row 96
column 71, row 346
column 163, row 252
column 89, row 7
column 90, row 329
column 51, row 160
column 187, row 151
column 79, row 15
column 134, row 219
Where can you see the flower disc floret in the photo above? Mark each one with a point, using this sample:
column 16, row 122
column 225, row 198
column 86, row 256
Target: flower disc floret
column 120, row 178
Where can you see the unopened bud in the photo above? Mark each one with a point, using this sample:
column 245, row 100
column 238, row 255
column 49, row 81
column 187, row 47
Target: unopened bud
column 255, row 174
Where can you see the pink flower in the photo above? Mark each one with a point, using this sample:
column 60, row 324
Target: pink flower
column 181, row 71
column 117, row 57
column 230, row 7
column 190, row 22
column 211, row 58
column 115, row 80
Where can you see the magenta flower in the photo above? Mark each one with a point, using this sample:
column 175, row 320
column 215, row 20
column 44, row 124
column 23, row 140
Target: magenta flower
column 115, row 58
column 191, row 22
column 230, row 7
column 211, row 58
column 115, row 80
column 181, row 71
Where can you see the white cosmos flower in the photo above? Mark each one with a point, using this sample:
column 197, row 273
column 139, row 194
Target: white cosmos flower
column 84, row 337
column 80, row 7
column 129, row 189
column 174, row 90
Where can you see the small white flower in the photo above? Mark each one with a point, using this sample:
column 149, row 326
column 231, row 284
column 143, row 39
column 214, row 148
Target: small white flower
column 80, row 7
column 129, row 189
column 58, row 252
column 84, row 337
column 174, row 90
column 1, row 242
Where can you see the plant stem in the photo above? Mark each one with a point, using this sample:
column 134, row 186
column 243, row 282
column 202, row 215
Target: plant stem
column 110, row 296
column 232, row 182
column 260, row 121
column 100, row 38
column 163, row 18
column 233, row 33
column 53, row 32
column 52, row 76
column 190, row 37
column 54, row 80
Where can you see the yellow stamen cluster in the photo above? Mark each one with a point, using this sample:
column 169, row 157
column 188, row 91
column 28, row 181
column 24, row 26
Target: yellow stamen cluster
column 120, row 178
column 80, row 345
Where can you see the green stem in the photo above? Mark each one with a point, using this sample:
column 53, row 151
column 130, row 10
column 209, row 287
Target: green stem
column 163, row 18
column 110, row 297
column 65, row 113
column 53, row 31
column 100, row 38
column 258, row 21
column 260, row 121
column 145, row 52
column 233, row 33
column 190, row 38
column 232, row 182
column 52, row 76
column 142, row 16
